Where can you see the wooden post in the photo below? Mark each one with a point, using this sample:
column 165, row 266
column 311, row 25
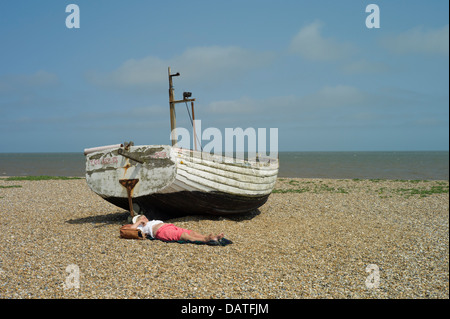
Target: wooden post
column 172, row 102
column 173, row 123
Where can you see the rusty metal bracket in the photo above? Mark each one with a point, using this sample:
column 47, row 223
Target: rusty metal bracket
column 127, row 145
column 129, row 185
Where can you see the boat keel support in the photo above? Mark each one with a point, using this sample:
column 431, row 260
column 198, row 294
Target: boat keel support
column 129, row 185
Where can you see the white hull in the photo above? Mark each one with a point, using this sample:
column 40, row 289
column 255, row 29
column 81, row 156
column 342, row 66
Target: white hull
column 169, row 171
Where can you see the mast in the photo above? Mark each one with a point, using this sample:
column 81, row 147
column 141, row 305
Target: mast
column 172, row 102
column 173, row 120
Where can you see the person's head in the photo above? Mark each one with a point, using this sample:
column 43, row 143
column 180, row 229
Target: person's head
column 143, row 218
column 140, row 218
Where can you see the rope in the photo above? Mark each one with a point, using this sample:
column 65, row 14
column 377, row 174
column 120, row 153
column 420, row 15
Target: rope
column 192, row 124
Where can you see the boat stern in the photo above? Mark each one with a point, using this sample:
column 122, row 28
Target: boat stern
column 148, row 168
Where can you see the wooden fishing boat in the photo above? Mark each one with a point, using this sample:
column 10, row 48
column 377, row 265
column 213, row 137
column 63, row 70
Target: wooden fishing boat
column 166, row 181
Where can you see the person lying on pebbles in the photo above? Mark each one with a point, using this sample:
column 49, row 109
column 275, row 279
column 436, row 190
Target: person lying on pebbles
column 169, row 232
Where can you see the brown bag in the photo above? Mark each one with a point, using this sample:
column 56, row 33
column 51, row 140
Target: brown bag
column 128, row 233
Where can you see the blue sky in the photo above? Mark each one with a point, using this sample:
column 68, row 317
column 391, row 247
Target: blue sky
column 312, row 69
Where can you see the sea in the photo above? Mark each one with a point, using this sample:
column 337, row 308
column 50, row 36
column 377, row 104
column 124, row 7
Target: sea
column 421, row 165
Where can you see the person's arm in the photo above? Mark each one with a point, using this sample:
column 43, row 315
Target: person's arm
column 139, row 221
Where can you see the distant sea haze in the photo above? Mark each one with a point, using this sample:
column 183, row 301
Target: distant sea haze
column 337, row 165
column 365, row 165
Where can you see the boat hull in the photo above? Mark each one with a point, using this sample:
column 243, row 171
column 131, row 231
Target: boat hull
column 190, row 203
column 176, row 182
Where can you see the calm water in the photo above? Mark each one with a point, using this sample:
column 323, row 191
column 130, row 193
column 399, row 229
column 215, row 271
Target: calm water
column 343, row 165
column 365, row 165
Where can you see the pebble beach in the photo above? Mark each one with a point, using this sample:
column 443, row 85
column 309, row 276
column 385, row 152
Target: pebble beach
column 314, row 238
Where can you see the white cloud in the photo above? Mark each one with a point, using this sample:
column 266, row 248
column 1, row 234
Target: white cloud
column 310, row 44
column 334, row 97
column 20, row 82
column 419, row 40
column 136, row 113
column 364, row 67
column 329, row 97
column 243, row 105
column 198, row 64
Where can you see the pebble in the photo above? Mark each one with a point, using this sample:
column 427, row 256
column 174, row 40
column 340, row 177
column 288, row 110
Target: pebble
column 60, row 240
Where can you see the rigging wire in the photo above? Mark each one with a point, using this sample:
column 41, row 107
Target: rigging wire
column 192, row 123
